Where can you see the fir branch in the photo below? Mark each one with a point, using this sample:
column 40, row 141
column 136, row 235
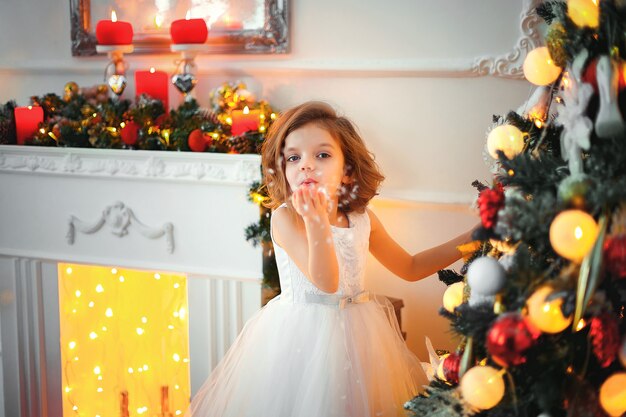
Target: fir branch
column 439, row 400
column 449, row 276
column 532, row 175
column 551, row 10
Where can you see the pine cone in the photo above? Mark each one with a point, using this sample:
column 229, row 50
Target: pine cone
column 241, row 144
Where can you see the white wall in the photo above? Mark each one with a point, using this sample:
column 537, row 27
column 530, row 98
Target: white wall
column 398, row 69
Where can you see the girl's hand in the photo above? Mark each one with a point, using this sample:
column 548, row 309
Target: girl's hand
column 311, row 203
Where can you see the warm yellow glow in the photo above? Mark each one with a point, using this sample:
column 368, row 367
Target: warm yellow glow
column 584, row 12
column 453, row 297
column 188, row 15
column 68, row 271
column 482, row 387
column 229, row 120
column 246, row 110
column 158, row 20
column 539, row 68
column 67, row 389
column 152, row 70
column 176, row 357
column 30, row 107
column 505, row 138
column 176, row 285
column 122, row 125
column 581, row 325
column 113, row 16
column 538, row 123
column 613, row 394
column 547, row 315
column 573, row 234
column 133, row 348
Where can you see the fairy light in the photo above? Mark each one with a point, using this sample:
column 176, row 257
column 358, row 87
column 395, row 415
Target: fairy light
column 110, row 307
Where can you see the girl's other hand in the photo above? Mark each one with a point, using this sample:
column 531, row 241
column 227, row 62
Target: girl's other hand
column 310, row 202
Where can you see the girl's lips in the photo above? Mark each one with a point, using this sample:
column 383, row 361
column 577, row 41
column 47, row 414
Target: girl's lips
column 308, row 182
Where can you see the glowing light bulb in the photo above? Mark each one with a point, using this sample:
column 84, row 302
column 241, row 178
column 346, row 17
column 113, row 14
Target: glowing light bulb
column 99, row 377
column 176, row 285
column 175, row 313
column 68, row 270
column 77, row 293
column 114, row 270
column 67, row 389
column 91, row 304
column 181, row 313
column 140, row 331
column 108, row 312
column 176, row 386
column 97, row 370
column 176, row 357
column 178, row 412
column 104, row 328
column 99, row 389
column 75, row 408
column 144, row 319
column 157, row 276
column 539, row 68
column 99, row 288
column 121, row 278
column 72, row 344
column 170, row 327
column 573, row 233
column 93, row 335
column 130, row 370
column 145, row 367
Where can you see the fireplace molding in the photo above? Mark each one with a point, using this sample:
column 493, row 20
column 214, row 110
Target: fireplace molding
column 193, row 210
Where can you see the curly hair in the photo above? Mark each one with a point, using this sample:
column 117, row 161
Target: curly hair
column 359, row 161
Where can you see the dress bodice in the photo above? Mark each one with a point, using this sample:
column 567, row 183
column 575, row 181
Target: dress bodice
column 351, row 246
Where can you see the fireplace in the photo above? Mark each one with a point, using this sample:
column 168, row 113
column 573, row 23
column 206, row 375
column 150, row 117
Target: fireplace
column 154, row 212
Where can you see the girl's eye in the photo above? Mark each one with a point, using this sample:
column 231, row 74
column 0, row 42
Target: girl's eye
column 324, row 155
column 292, row 158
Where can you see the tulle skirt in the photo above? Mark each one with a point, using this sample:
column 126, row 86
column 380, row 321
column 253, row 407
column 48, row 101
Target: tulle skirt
column 314, row 360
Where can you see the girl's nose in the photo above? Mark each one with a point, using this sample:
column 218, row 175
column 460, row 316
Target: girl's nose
column 307, row 164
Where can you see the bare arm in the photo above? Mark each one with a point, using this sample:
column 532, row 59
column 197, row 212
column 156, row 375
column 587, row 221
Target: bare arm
column 412, row 267
column 308, row 241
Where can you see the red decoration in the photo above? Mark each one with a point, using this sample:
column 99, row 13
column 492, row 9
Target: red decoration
column 197, row 141
column 112, row 32
column 451, row 365
column 154, row 84
column 490, row 201
column 589, row 75
column 189, row 31
column 509, row 338
column 244, row 121
column 129, row 133
column 605, row 338
column 27, row 121
column 615, row 255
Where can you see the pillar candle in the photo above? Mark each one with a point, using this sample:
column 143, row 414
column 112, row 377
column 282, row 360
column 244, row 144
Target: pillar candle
column 153, row 83
column 27, row 121
column 112, row 32
column 189, row 31
column 244, row 121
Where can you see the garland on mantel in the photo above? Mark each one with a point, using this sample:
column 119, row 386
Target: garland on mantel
column 88, row 118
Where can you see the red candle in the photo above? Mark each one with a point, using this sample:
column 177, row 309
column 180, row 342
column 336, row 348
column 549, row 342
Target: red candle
column 189, row 31
column 112, row 32
column 27, row 121
column 244, row 121
column 153, row 83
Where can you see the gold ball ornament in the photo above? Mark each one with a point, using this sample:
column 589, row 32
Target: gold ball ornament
column 482, row 387
column 453, row 297
column 573, row 233
column 613, row 394
column 546, row 315
column 70, row 90
column 539, row 67
column 584, row 12
column 555, row 41
column 505, row 138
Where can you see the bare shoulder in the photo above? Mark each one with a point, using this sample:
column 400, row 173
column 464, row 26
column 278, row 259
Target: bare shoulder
column 374, row 221
column 285, row 225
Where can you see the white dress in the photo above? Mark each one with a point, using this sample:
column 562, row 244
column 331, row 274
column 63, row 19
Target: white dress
column 312, row 354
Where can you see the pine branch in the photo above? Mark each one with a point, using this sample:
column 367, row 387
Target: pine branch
column 439, row 400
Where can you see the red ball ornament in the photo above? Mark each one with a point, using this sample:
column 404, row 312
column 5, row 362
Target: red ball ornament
column 509, row 338
column 451, row 365
column 129, row 133
column 589, row 75
column 605, row 338
column 615, row 255
column 490, row 201
column 197, row 141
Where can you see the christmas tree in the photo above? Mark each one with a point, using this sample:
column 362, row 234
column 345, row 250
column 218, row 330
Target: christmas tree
column 539, row 303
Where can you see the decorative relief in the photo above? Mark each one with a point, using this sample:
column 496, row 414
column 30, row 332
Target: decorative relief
column 118, row 218
column 509, row 65
column 231, row 169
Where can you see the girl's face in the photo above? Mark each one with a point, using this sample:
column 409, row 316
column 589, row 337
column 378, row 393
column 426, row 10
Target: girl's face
column 314, row 158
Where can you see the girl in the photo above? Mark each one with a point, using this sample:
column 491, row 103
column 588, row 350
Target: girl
column 324, row 347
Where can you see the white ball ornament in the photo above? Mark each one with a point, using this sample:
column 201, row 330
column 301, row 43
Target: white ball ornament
column 505, row 138
column 482, row 387
column 613, row 394
column 453, row 297
column 485, row 277
column 539, row 68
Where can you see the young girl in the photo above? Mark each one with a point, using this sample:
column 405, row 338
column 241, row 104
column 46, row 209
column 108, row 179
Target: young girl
column 324, row 347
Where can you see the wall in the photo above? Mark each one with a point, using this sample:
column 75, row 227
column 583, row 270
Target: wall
column 403, row 71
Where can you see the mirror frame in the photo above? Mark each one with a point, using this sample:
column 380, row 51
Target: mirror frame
column 273, row 38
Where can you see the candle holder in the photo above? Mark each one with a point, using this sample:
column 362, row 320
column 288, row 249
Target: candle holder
column 115, row 71
column 185, row 78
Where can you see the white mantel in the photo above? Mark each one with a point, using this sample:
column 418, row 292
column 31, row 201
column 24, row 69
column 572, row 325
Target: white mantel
column 154, row 210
